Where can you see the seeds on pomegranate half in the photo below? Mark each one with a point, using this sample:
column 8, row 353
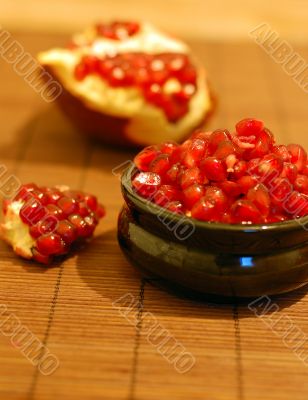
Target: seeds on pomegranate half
column 42, row 223
column 231, row 178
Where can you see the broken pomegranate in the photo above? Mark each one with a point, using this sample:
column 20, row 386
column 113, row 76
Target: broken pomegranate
column 128, row 83
column 239, row 178
column 42, row 223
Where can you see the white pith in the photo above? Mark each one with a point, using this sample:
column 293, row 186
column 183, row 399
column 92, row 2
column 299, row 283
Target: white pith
column 147, row 122
column 15, row 232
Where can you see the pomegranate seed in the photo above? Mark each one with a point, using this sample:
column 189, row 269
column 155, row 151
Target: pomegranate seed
column 301, row 184
column 218, row 136
column 247, row 182
column 289, row 171
column 195, row 153
column 282, row 152
column 192, row 194
column 67, row 205
column 32, row 212
column 160, row 165
column 216, row 196
column 145, row 157
column 166, row 194
column 50, row 244
column 205, row 210
column 260, row 197
column 245, row 211
column 214, row 169
column 176, row 207
column 298, row 156
column 280, row 190
column 146, row 183
column 225, row 149
column 296, row 204
column 249, row 127
column 270, row 167
column 168, row 147
column 239, row 170
column 67, row 232
column 231, row 188
column 190, row 176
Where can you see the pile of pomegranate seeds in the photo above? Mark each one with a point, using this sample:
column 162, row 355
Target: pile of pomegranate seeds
column 118, row 30
column 240, row 178
column 56, row 218
column 167, row 80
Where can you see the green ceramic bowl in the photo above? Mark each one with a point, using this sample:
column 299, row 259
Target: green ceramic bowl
column 212, row 258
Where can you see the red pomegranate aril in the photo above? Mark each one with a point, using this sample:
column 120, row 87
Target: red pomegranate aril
column 231, row 188
column 282, row 152
column 47, row 225
column 296, row 204
column 145, row 157
column 67, row 205
column 190, row 176
column 205, row 210
column 245, row 211
column 262, row 146
column 249, row 127
column 195, row 153
column 32, row 212
column 192, row 194
column 174, row 173
column 160, row 165
column 79, row 223
column 225, row 149
column 216, row 196
column 301, row 184
column 168, row 147
column 239, row 170
column 280, row 190
column 247, row 182
column 166, row 194
column 270, row 168
column 67, row 231
column 289, row 171
column 146, row 183
column 260, row 197
column 214, row 169
column 218, row 136
column 298, row 156
column 91, row 202
column 50, row 244
column 56, row 211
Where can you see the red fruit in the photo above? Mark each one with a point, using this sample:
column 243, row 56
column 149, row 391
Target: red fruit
column 218, row 136
column 296, row 205
column 168, row 147
column 174, row 173
column 249, row 127
column 192, row 194
column 270, row 168
column 263, row 145
column 50, row 244
column 289, row 171
column 225, row 149
column 245, row 211
column 298, row 156
column 205, row 210
column 160, row 165
column 146, row 183
column 280, row 190
column 145, row 157
column 260, row 197
column 231, row 188
column 166, row 194
column 217, row 196
column 190, row 176
column 195, row 153
column 301, row 184
column 214, row 169
column 239, row 170
column 282, row 152
column 52, row 228
column 247, row 182
column 117, row 30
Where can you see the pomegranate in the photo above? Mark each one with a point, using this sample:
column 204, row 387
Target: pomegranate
column 128, row 83
column 239, row 178
column 41, row 223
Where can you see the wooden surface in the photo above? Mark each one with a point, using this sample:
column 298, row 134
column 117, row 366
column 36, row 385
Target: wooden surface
column 69, row 307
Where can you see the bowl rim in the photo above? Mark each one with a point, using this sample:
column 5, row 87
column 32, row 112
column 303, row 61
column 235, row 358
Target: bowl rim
column 292, row 224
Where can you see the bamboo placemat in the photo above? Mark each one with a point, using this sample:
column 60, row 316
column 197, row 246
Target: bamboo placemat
column 69, row 307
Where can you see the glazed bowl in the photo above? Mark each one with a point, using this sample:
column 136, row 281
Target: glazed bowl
column 208, row 257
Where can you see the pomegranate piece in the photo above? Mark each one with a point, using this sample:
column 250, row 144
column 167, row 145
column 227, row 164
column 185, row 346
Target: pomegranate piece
column 145, row 157
column 41, row 223
column 118, row 30
column 241, row 178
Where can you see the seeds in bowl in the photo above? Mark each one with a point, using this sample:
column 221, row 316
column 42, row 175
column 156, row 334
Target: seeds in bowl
column 238, row 178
